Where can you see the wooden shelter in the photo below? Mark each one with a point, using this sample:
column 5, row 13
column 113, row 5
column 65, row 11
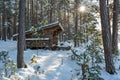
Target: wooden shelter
column 45, row 36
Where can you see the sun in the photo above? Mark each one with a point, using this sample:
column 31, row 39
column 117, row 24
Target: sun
column 82, row 8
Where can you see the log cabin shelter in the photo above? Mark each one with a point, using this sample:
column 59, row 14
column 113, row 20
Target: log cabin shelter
column 45, row 36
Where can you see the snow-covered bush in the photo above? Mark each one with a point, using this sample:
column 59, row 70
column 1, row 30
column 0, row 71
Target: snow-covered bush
column 8, row 67
column 88, row 56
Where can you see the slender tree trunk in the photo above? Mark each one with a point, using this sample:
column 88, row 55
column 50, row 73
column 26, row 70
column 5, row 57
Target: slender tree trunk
column 41, row 13
column 36, row 10
column 14, row 24
column 3, row 23
column 59, row 18
column 64, row 22
column 21, row 36
column 76, row 24
column 76, row 28
column 29, row 18
column 51, row 11
column 32, row 12
column 9, row 32
column 108, row 11
column 68, row 22
column 54, row 15
column 26, row 15
column 81, row 27
column 0, row 27
column 106, row 35
column 115, row 27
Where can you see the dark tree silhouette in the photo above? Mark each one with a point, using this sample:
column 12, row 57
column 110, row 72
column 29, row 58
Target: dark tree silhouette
column 115, row 27
column 21, row 36
column 106, row 35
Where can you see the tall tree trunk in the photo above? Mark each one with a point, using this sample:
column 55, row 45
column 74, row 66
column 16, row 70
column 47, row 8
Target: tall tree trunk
column 32, row 12
column 64, row 24
column 76, row 28
column 9, row 32
column 41, row 12
column 115, row 27
column 51, row 11
column 29, row 18
column 68, row 22
column 21, row 36
column 81, row 27
column 59, row 18
column 36, row 11
column 15, row 20
column 76, row 24
column 108, row 11
column 106, row 35
column 3, row 23
column 0, row 27
column 14, row 23
column 54, row 15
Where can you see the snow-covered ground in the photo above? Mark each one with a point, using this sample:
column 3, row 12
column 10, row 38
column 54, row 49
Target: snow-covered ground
column 54, row 65
column 48, row 65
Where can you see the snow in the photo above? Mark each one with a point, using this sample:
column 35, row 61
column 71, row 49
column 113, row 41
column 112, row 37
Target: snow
column 50, row 65
column 51, row 25
column 54, row 65
column 65, row 44
column 29, row 39
column 110, row 77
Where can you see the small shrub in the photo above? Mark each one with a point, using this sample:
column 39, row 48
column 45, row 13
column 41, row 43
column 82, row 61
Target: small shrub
column 34, row 59
column 89, row 58
column 8, row 67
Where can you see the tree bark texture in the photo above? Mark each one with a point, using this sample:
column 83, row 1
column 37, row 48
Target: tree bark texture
column 4, row 34
column 0, row 27
column 76, row 24
column 21, row 36
column 106, row 35
column 115, row 27
column 51, row 11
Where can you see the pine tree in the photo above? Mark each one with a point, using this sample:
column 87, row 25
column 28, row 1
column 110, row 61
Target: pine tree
column 106, row 35
column 115, row 27
column 21, row 36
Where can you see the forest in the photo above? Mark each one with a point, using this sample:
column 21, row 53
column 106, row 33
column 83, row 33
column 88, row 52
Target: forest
column 59, row 40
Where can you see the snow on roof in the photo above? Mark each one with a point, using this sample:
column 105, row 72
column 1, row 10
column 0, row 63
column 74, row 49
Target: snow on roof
column 15, row 35
column 51, row 25
column 45, row 27
column 28, row 31
column 29, row 39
